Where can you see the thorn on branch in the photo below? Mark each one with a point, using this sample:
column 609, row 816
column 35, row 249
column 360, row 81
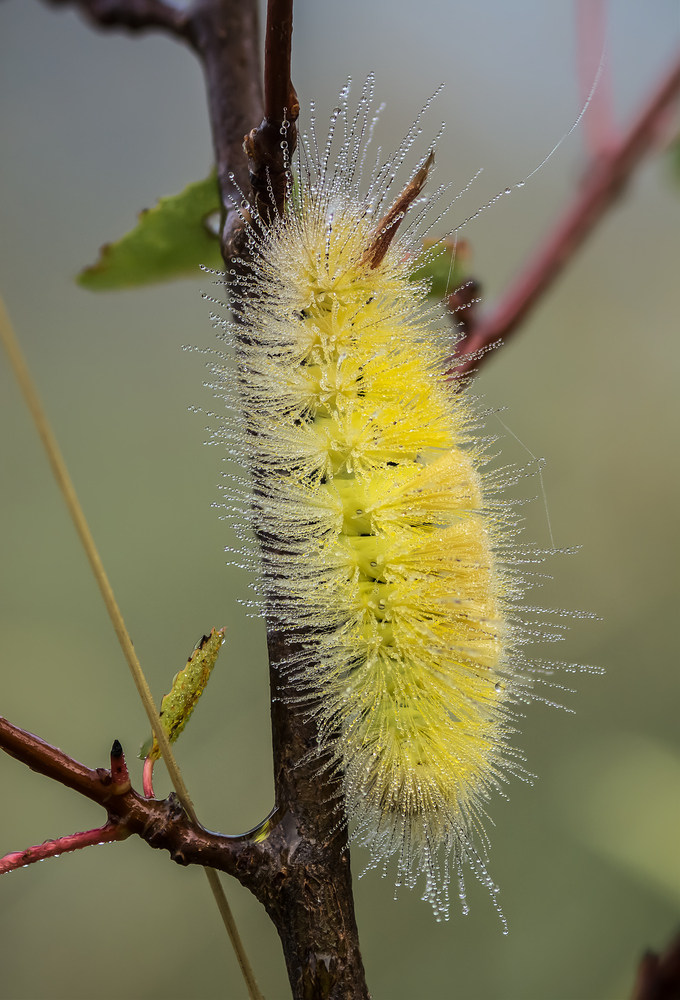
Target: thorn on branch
column 119, row 770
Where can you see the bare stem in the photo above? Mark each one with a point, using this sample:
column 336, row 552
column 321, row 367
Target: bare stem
column 147, row 779
column 53, row 848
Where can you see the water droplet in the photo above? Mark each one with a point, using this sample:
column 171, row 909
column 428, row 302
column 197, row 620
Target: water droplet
column 507, row 190
column 498, row 687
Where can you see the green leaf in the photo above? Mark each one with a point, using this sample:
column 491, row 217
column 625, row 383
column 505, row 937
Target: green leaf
column 169, row 241
column 442, row 263
column 187, row 687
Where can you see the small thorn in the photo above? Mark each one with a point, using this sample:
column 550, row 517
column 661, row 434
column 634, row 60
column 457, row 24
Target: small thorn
column 119, row 772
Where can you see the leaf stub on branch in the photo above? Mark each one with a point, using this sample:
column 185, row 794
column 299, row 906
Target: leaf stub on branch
column 387, row 228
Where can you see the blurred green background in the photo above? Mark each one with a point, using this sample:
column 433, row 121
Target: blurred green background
column 95, row 127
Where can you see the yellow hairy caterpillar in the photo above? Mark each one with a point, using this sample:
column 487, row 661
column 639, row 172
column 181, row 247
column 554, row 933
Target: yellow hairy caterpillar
column 382, row 549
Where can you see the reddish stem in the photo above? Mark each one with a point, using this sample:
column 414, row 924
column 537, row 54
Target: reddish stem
column 147, row 777
column 163, row 825
column 591, row 34
column 53, row 848
column 602, row 185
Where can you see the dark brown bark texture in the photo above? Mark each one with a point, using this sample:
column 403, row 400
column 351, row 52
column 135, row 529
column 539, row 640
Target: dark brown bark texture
column 311, row 902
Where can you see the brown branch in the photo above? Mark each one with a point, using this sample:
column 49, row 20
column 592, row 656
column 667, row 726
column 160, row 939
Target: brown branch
column 295, row 863
column 135, row 15
column 226, row 36
column 279, row 92
column 163, row 824
column 658, row 976
column 603, row 184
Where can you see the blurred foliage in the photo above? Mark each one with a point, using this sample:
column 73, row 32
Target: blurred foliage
column 627, row 809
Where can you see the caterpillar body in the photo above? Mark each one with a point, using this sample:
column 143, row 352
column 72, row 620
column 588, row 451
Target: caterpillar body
column 382, row 545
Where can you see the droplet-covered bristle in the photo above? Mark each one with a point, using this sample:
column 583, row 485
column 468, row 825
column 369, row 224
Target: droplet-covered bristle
column 380, row 543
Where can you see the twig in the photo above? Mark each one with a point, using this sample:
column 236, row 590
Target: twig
column 162, row 824
column 111, row 831
column 68, row 492
column 106, row 834
column 603, row 184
